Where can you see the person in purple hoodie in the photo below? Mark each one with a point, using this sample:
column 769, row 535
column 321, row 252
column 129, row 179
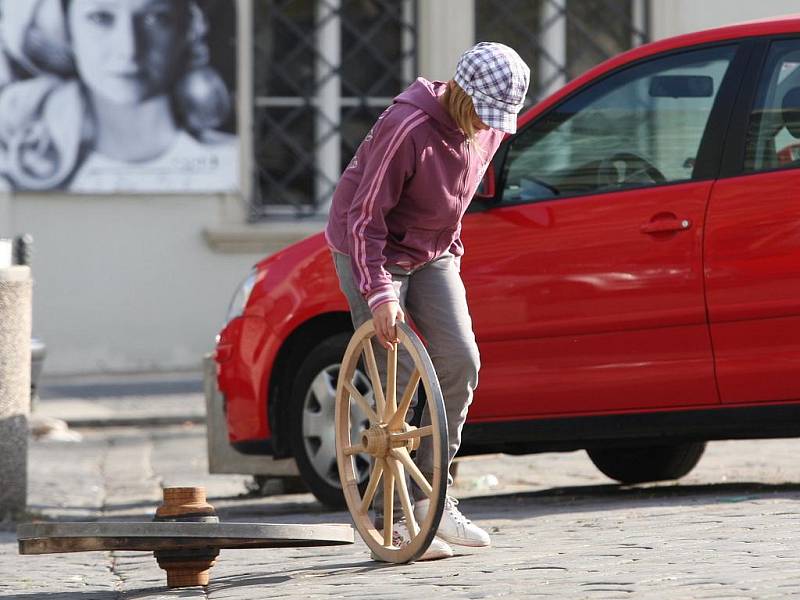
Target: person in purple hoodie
column 394, row 231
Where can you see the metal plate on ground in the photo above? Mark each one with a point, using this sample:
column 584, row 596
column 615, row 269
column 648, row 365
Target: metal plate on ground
column 49, row 538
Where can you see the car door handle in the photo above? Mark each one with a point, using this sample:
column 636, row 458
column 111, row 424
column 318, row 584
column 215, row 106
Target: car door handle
column 666, row 225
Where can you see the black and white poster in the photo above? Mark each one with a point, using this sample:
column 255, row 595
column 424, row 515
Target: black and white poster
column 103, row 96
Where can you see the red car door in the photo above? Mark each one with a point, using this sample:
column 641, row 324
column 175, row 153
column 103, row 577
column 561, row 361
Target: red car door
column 585, row 281
column 753, row 243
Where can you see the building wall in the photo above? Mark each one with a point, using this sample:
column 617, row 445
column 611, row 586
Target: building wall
column 141, row 283
column 126, row 283
column 131, row 284
column 674, row 17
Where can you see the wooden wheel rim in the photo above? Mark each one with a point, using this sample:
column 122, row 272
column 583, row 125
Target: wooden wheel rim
column 347, row 473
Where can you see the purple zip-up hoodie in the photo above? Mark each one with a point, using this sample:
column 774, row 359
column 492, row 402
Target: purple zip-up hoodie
column 402, row 197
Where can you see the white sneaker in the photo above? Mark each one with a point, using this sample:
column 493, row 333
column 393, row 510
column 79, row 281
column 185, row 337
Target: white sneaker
column 401, row 536
column 454, row 527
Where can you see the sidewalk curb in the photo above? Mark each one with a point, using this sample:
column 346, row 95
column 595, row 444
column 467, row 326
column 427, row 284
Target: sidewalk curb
column 94, row 422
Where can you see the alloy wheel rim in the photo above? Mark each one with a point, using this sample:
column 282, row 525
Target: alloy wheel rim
column 319, row 433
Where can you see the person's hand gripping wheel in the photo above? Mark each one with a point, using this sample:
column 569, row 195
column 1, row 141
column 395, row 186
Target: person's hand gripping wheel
column 386, row 317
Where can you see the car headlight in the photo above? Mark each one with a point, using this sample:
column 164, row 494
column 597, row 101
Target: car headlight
column 239, row 300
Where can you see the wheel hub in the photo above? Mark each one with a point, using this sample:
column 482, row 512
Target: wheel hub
column 376, row 441
column 379, row 440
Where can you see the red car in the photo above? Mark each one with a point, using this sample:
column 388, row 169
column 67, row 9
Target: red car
column 632, row 267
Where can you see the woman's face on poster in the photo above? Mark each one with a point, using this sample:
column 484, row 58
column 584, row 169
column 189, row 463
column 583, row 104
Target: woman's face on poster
column 128, row 50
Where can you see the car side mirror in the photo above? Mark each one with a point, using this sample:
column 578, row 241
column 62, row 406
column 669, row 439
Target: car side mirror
column 488, row 186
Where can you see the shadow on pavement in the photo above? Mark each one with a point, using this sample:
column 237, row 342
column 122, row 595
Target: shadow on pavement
column 521, row 505
column 303, row 508
column 618, row 497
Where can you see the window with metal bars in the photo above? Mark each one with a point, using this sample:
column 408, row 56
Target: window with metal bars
column 560, row 39
column 323, row 72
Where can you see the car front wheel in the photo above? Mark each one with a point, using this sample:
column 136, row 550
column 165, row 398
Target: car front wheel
column 311, row 422
column 647, row 463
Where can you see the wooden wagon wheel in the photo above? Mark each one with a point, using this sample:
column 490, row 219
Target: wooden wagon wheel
column 390, row 440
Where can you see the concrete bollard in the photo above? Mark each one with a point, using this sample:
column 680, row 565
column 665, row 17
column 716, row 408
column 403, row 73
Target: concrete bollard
column 15, row 385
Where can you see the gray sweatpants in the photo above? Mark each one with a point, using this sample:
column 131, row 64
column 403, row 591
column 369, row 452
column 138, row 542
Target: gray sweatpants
column 434, row 298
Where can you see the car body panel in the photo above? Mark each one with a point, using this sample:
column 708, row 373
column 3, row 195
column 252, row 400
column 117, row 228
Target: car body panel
column 573, row 303
column 753, row 285
column 293, row 286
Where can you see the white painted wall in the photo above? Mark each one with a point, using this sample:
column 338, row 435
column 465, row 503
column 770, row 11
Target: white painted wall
column 126, row 283
column 446, row 30
column 674, row 17
column 136, row 283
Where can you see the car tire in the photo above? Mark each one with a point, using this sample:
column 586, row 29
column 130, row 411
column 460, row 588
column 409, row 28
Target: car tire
column 311, row 420
column 647, row 463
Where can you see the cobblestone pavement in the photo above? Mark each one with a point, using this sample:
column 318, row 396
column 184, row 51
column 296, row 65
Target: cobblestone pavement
column 731, row 529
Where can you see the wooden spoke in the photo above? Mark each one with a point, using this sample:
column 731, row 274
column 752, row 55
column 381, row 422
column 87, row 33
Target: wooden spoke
column 350, row 450
column 405, row 402
column 372, row 486
column 405, row 499
column 414, row 433
column 404, row 457
column 375, row 377
column 388, row 507
column 362, row 403
column 391, row 382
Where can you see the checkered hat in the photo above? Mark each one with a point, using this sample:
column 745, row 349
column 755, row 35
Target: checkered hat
column 496, row 79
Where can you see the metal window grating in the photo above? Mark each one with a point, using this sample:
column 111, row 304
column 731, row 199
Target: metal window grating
column 324, row 71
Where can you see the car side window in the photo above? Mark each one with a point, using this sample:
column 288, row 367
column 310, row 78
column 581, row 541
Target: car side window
column 773, row 132
column 641, row 126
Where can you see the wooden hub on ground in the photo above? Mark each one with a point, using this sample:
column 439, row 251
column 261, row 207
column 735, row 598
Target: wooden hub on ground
column 189, row 567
